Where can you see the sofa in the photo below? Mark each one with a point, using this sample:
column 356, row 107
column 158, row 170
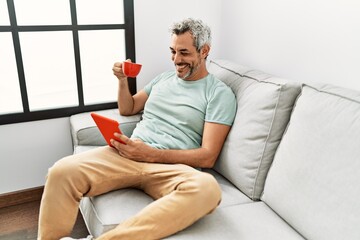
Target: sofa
column 289, row 168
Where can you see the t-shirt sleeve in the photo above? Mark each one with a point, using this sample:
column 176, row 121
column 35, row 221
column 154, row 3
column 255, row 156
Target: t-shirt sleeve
column 221, row 107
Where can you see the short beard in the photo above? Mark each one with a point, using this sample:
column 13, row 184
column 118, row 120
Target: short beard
column 191, row 71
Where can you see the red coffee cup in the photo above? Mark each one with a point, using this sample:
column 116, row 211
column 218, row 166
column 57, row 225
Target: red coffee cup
column 131, row 69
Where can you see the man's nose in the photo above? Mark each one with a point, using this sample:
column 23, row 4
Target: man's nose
column 176, row 58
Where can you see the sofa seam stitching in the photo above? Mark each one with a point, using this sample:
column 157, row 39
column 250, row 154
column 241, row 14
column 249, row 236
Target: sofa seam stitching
column 247, row 76
column 331, row 93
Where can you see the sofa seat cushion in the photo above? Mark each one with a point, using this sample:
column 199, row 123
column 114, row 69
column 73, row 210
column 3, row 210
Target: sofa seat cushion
column 104, row 212
column 85, row 132
column 264, row 105
column 313, row 182
column 253, row 221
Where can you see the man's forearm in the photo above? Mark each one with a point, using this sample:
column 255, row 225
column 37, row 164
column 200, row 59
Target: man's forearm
column 125, row 99
column 204, row 156
column 200, row 157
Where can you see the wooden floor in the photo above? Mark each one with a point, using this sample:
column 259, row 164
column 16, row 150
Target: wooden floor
column 20, row 222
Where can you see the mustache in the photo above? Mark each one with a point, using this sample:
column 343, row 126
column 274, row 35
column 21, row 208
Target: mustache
column 181, row 63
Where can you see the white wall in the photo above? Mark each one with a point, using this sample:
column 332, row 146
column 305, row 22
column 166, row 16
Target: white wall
column 27, row 150
column 152, row 22
column 309, row 40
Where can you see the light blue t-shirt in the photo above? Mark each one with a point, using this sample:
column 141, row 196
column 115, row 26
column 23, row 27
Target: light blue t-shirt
column 176, row 110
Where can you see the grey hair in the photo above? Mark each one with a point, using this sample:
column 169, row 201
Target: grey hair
column 200, row 31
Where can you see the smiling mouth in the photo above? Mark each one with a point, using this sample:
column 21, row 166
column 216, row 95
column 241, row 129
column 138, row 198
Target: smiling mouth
column 181, row 67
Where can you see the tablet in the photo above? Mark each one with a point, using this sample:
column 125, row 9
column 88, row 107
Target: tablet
column 107, row 127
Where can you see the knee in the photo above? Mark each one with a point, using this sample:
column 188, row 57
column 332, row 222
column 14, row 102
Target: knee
column 211, row 187
column 208, row 190
column 64, row 180
column 62, row 170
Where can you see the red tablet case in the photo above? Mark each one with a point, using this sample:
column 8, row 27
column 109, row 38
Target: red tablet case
column 107, row 127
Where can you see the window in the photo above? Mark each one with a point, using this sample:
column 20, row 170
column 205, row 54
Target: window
column 56, row 56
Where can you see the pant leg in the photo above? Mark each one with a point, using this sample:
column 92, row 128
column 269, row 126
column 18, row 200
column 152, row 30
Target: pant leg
column 183, row 195
column 90, row 173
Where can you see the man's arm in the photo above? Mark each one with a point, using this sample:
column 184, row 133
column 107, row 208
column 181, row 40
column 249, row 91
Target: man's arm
column 128, row 104
column 213, row 139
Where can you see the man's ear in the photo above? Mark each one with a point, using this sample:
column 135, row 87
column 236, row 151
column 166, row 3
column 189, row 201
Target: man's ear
column 205, row 51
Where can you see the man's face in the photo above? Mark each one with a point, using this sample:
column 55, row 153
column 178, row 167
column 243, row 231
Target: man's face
column 185, row 57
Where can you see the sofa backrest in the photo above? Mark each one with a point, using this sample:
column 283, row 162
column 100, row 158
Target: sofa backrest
column 263, row 111
column 313, row 183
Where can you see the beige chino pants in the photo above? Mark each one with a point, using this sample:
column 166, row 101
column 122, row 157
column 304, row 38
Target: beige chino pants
column 182, row 194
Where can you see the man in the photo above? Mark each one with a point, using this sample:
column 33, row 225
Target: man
column 187, row 116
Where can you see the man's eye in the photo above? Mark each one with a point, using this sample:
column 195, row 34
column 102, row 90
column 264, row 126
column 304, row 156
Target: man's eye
column 180, row 53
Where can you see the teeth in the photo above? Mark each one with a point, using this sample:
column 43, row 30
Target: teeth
column 181, row 66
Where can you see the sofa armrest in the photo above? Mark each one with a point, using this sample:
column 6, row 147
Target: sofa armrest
column 85, row 132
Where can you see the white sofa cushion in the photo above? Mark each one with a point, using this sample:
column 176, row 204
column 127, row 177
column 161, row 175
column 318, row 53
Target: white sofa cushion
column 104, row 212
column 313, row 181
column 264, row 106
column 254, row 221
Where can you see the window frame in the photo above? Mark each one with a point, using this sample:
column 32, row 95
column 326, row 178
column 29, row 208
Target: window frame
column 14, row 29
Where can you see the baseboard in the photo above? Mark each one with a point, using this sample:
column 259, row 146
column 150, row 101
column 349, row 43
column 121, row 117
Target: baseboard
column 22, row 196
